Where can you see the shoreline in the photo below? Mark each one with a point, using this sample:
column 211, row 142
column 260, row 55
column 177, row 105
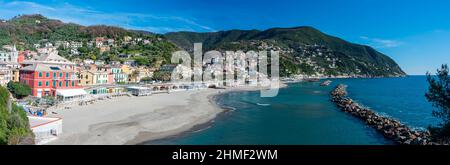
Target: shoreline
column 145, row 137
column 114, row 121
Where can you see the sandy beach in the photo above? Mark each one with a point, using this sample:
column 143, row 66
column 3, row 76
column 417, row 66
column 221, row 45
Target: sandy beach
column 133, row 120
column 120, row 120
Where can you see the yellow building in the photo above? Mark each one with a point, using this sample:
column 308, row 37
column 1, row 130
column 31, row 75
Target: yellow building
column 127, row 69
column 15, row 75
column 96, row 75
column 86, row 78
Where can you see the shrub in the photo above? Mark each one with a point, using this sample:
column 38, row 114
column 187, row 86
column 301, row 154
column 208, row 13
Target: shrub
column 19, row 90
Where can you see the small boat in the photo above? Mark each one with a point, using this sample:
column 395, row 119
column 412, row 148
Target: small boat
column 326, row 83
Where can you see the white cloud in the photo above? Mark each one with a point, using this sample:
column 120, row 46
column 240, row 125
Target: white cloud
column 86, row 16
column 381, row 43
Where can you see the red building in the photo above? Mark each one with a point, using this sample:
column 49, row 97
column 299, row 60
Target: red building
column 21, row 57
column 46, row 80
column 52, row 77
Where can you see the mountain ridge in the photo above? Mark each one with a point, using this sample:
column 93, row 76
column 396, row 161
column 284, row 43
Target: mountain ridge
column 294, row 40
column 304, row 50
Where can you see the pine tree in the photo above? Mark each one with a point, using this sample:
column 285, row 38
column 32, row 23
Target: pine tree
column 439, row 95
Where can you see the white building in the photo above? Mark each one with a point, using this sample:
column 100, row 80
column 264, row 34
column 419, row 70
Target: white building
column 11, row 55
column 5, row 73
column 45, row 129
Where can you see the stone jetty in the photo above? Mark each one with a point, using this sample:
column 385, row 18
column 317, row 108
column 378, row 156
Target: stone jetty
column 390, row 128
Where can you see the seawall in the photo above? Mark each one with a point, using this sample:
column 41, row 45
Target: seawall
column 390, row 128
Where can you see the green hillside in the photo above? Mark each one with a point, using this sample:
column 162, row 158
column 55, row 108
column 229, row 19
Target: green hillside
column 27, row 30
column 298, row 45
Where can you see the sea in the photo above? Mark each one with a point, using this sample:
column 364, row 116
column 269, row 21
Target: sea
column 302, row 114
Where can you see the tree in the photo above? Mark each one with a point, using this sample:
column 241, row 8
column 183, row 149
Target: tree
column 439, row 95
column 14, row 125
column 142, row 61
column 161, row 76
column 19, row 90
column 146, row 79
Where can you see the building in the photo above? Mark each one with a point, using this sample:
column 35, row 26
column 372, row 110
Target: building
column 5, row 73
column 130, row 63
column 11, row 55
column 127, row 39
column 76, row 45
column 99, row 42
column 95, row 75
column 86, row 78
column 52, row 75
column 55, row 81
column 110, row 42
column 51, row 59
column 118, row 75
column 21, row 57
column 104, row 49
column 15, row 75
column 126, row 69
column 139, row 91
column 4, row 56
column 45, row 129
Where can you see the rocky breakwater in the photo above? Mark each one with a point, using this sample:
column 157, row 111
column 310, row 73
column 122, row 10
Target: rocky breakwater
column 391, row 129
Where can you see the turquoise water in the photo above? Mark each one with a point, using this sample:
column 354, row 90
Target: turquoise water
column 400, row 98
column 303, row 114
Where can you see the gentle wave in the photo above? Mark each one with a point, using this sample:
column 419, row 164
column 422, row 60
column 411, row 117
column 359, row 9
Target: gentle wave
column 261, row 104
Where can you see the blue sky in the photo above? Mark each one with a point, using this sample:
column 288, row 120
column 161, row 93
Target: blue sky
column 415, row 33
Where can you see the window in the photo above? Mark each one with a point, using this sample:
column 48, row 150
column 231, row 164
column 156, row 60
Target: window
column 54, row 83
column 67, row 75
column 60, row 74
column 60, row 84
column 47, row 74
column 39, row 83
column 54, row 74
column 67, row 83
column 40, row 74
column 46, row 83
column 73, row 83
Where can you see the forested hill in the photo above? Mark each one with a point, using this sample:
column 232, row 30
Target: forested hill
column 27, row 30
column 304, row 50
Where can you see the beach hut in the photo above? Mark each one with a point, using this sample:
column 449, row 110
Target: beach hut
column 139, row 91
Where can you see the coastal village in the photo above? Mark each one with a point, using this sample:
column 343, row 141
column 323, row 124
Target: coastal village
column 87, row 79
column 56, row 82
